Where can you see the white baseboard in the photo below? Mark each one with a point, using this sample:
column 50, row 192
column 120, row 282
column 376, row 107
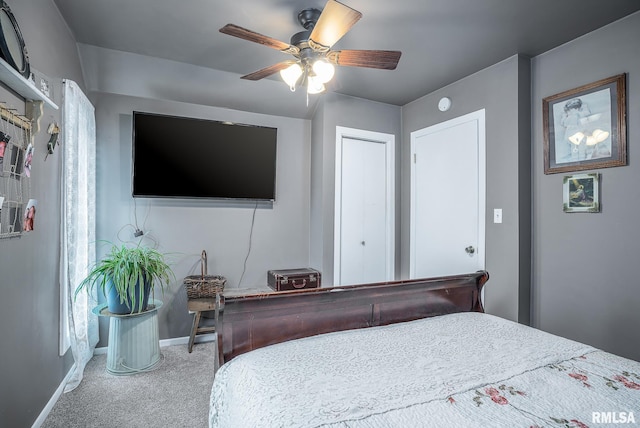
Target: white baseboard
column 52, row 401
column 201, row 338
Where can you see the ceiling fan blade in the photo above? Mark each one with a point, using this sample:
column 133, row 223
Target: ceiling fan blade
column 386, row 60
column 335, row 21
column 267, row 71
column 252, row 36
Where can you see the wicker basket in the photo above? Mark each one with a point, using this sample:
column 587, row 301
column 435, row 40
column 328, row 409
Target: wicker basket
column 203, row 285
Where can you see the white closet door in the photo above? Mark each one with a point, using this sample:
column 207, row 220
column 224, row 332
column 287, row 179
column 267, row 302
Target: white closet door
column 364, row 216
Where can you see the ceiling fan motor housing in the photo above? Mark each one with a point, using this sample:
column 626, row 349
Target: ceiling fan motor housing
column 301, row 39
column 308, row 18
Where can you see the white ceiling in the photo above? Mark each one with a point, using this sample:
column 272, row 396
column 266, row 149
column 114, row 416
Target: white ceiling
column 441, row 40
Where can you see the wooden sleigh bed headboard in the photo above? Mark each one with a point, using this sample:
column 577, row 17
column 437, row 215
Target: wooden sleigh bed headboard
column 252, row 321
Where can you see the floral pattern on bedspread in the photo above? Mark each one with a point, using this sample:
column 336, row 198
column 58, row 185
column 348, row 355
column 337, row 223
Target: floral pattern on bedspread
column 520, row 377
column 565, row 394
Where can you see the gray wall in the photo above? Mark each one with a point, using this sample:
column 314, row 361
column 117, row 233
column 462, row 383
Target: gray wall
column 585, row 283
column 340, row 110
column 125, row 73
column 502, row 90
column 29, row 307
column 185, row 227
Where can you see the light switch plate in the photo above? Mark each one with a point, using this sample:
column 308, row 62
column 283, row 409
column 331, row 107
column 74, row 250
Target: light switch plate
column 497, row 215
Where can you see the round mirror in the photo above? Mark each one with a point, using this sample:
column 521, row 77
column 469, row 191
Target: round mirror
column 11, row 42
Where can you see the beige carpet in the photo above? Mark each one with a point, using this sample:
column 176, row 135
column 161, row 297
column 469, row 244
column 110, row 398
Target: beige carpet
column 175, row 394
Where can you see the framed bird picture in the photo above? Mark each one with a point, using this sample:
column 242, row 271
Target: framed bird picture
column 581, row 193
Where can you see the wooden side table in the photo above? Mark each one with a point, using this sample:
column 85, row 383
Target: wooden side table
column 197, row 306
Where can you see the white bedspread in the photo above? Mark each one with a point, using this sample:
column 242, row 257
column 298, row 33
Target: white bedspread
column 465, row 369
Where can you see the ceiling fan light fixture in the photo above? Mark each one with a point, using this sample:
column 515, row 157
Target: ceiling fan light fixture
column 323, row 70
column 314, row 85
column 291, row 75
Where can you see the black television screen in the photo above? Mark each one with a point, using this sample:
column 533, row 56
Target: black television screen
column 196, row 158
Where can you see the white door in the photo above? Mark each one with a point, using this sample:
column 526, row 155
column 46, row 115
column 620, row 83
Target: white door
column 448, row 197
column 364, row 221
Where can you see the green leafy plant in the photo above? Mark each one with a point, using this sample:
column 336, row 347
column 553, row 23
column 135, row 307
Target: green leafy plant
column 125, row 267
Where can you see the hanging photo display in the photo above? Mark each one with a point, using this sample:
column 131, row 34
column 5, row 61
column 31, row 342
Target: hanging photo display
column 4, row 142
column 28, row 160
column 15, row 217
column 29, row 216
column 17, row 161
column 17, row 209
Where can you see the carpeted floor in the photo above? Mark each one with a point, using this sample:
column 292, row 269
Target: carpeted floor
column 176, row 394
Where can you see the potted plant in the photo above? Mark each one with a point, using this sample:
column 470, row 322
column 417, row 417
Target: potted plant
column 127, row 276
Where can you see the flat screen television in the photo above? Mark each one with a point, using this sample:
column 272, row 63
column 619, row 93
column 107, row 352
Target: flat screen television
column 179, row 157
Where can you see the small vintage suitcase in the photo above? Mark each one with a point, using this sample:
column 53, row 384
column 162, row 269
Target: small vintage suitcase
column 293, row 279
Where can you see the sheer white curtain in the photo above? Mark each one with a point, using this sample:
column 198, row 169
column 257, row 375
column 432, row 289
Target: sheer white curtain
column 78, row 223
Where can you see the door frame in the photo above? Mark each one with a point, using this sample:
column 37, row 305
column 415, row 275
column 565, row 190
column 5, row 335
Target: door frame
column 479, row 116
column 389, row 142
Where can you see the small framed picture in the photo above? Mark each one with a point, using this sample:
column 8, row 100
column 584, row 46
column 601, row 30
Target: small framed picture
column 581, row 193
column 585, row 128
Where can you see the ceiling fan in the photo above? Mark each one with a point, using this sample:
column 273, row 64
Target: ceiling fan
column 313, row 63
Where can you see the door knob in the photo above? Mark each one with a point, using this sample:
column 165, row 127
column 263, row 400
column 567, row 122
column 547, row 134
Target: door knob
column 470, row 250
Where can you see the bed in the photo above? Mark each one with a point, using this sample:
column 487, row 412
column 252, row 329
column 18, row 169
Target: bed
column 407, row 354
